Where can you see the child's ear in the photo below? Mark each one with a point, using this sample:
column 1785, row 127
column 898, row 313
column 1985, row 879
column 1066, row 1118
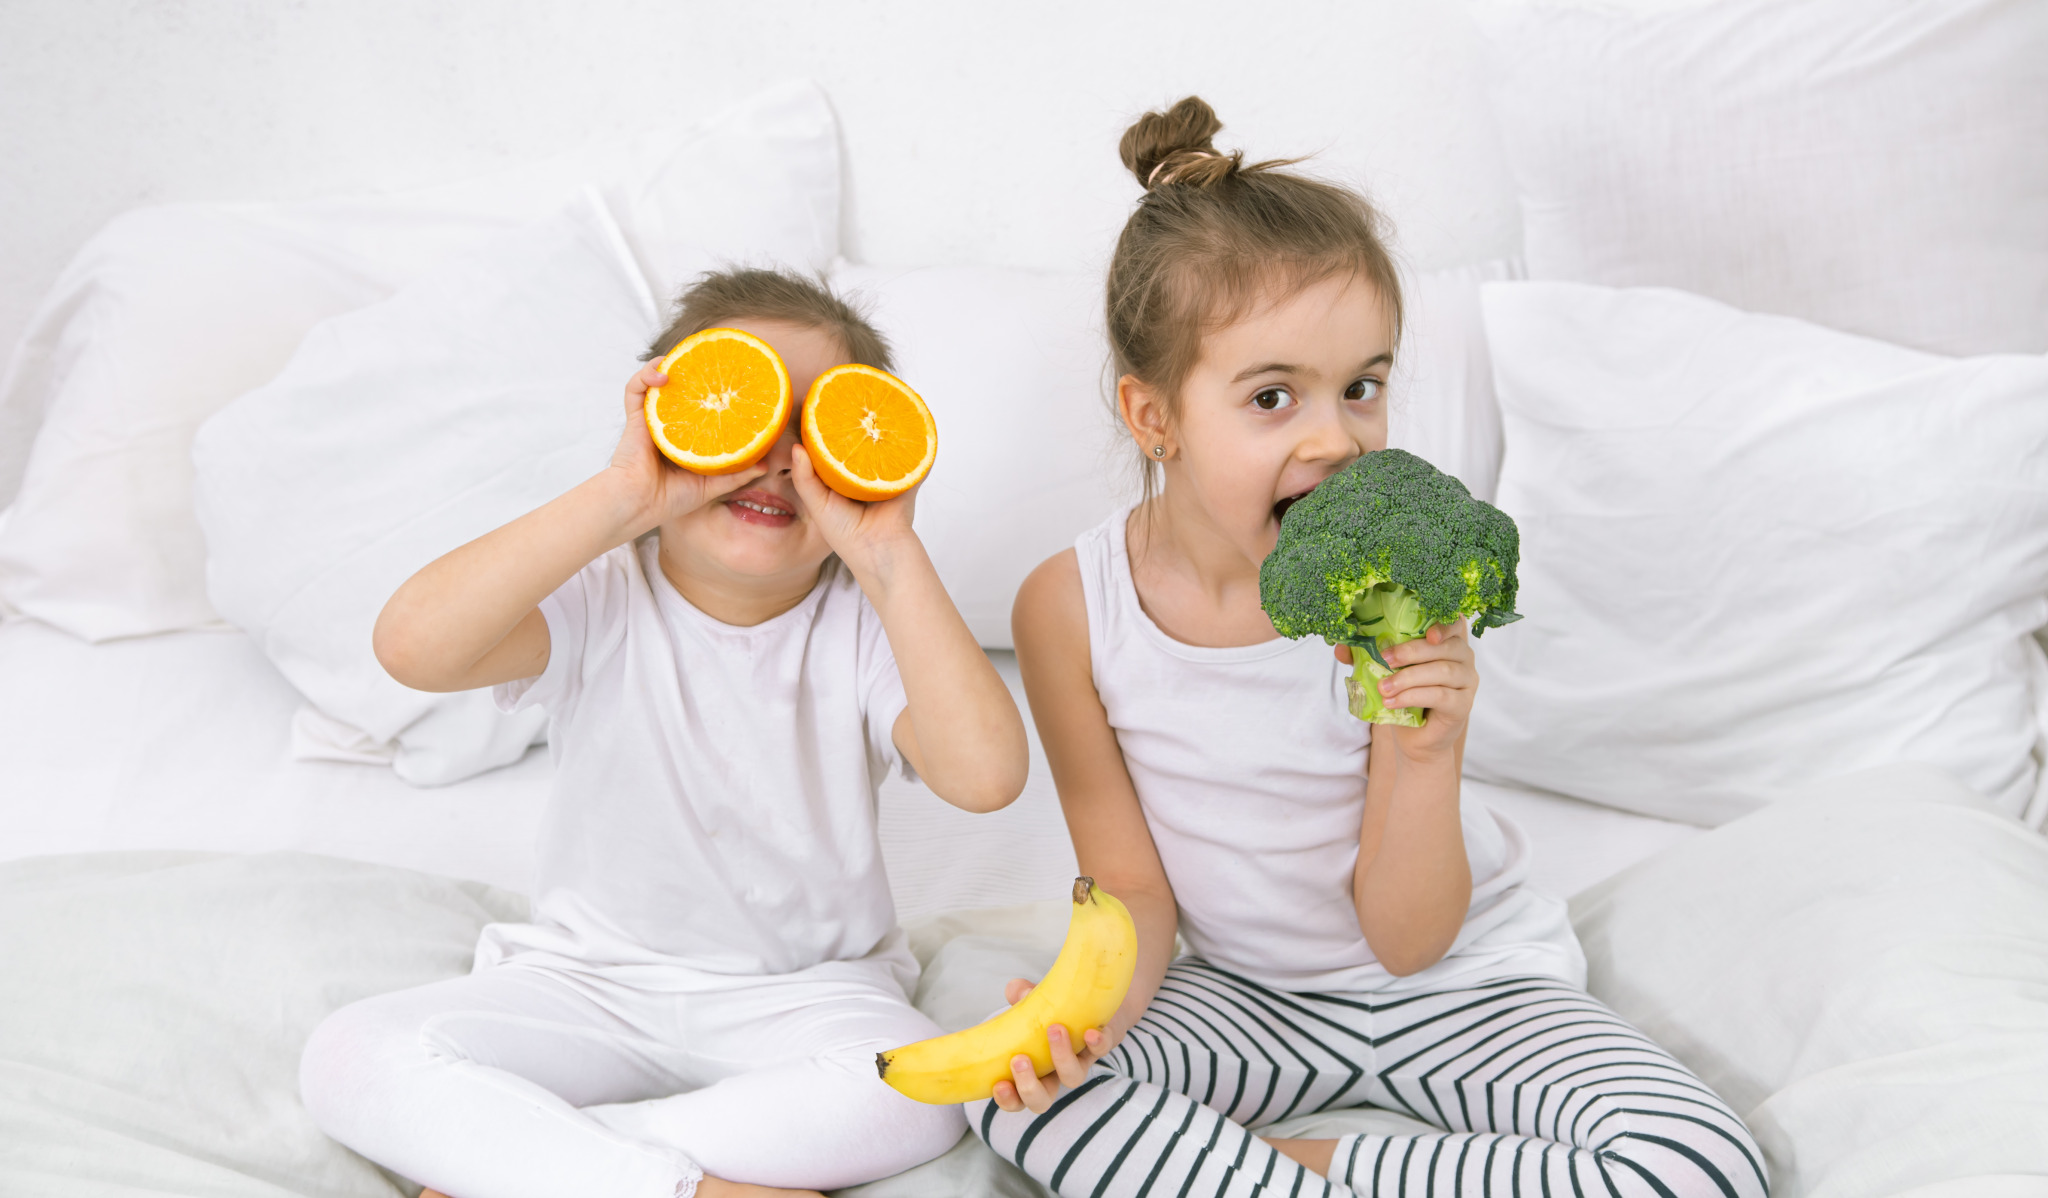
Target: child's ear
column 1144, row 411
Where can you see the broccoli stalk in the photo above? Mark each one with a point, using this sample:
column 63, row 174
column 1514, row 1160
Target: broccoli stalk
column 1377, row 554
column 1383, row 614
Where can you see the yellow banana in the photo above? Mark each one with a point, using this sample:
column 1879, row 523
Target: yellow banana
column 1084, row 987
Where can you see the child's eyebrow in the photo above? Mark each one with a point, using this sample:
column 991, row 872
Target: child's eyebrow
column 1272, row 368
column 1305, row 371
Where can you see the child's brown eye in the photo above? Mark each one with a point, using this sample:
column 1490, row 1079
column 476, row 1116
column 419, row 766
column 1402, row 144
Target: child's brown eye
column 1363, row 389
column 1272, row 399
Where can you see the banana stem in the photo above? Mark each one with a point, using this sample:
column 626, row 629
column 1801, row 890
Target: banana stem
column 1084, row 889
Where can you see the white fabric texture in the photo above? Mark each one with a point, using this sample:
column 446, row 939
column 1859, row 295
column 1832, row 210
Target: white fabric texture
column 170, row 313
column 1870, row 165
column 714, row 792
column 204, row 763
column 534, row 1082
column 1862, row 972
column 154, row 1006
column 401, row 431
column 1011, row 362
column 1859, row 974
column 1442, row 407
column 1251, row 773
column 1756, row 552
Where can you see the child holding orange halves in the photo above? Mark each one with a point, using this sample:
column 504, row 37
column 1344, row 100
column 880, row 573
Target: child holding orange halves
column 713, row 959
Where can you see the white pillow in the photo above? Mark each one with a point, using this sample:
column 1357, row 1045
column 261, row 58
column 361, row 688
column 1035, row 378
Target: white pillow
column 156, row 1004
column 1757, row 552
column 1442, row 407
column 1031, row 455
column 1012, row 363
column 401, row 431
column 1871, row 165
column 1862, row 974
column 170, row 312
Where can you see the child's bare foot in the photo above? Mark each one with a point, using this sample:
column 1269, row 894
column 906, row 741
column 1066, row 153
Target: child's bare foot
column 1314, row 1155
column 712, row 1187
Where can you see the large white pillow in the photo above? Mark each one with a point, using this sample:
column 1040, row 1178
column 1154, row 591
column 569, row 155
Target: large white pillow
column 1442, row 407
column 1757, row 552
column 1862, row 973
column 154, row 1007
column 1012, row 363
column 171, row 312
column 1016, row 369
column 401, row 431
column 1875, row 166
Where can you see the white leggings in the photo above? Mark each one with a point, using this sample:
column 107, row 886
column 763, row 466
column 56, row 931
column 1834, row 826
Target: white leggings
column 525, row 1081
column 1542, row 1092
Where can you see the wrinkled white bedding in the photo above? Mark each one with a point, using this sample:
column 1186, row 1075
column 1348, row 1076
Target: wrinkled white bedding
column 154, row 1004
column 184, row 741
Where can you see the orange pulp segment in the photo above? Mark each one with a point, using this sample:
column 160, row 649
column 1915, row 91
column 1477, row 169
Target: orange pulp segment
column 726, row 401
column 869, row 435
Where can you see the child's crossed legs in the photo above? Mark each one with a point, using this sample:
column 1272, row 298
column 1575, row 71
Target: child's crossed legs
column 1541, row 1088
column 522, row 1081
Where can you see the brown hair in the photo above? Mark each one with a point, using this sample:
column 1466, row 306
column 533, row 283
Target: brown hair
column 1212, row 236
column 718, row 297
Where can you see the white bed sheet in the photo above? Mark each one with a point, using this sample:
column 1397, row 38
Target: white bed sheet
column 183, row 741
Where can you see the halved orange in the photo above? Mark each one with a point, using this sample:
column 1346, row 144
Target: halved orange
column 726, row 401
column 869, row 435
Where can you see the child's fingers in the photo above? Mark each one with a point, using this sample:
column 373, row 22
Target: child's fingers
column 1005, row 1096
column 1015, row 989
column 809, row 487
column 1435, row 698
column 1031, row 1088
column 1343, row 653
column 1070, row 1069
column 1428, row 673
column 1409, row 653
column 637, row 386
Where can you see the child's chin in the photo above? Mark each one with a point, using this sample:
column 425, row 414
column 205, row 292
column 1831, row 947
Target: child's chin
column 767, row 552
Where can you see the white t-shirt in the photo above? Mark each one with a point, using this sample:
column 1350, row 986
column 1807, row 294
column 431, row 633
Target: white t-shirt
column 1251, row 774
column 714, row 791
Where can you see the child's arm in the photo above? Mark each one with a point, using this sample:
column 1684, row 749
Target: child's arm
column 960, row 731
column 1108, row 827
column 471, row 617
column 1413, row 884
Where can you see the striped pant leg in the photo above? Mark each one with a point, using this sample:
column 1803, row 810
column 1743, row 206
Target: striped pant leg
column 1168, row 1112
column 1544, row 1091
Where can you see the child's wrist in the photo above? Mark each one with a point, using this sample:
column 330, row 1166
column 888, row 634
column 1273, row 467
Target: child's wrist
column 883, row 565
column 623, row 508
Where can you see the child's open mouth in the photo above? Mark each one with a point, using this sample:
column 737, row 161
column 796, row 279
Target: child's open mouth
column 1280, row 508
column 760, row 507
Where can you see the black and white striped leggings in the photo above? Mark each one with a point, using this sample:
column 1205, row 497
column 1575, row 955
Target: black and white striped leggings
column 1542, row 1091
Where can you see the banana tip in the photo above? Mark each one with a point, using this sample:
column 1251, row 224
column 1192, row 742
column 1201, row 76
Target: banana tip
column 882, row 1065
column 1084, row 889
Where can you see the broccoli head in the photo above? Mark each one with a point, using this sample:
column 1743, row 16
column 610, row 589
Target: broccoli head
column 1378, row 553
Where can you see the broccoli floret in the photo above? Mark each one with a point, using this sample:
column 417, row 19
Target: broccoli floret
column 1382, row 550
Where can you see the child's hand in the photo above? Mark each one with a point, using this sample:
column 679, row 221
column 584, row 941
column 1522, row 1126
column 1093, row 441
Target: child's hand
column 658, row 489
column 858, row 532
column 1435, row 672
column 1028, row 1091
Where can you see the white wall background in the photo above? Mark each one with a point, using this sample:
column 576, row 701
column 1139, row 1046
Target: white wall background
column 974, row 133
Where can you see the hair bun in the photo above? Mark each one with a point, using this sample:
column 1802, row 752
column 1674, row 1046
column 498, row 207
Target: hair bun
column 1175, row 146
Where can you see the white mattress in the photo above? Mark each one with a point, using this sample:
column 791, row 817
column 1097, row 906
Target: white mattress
column 183, row 741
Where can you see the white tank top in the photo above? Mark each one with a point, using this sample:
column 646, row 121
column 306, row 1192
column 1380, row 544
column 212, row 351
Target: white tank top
column 1251, row 774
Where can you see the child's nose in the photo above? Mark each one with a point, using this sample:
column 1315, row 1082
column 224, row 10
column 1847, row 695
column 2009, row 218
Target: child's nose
column 1326, row 438
column 777, row 459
